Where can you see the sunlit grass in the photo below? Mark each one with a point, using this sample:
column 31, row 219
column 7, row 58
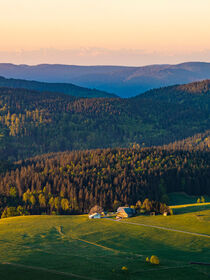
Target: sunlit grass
column 47, row 245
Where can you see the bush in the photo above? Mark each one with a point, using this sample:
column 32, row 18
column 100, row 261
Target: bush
column 171, row 211
column 154, row 260
column 202, row 199
column 147, row 259
column 124, row 268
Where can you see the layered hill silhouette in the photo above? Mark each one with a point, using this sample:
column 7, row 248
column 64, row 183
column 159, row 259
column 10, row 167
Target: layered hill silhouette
column 34, row 123
column 69, row 89
column 121, row 80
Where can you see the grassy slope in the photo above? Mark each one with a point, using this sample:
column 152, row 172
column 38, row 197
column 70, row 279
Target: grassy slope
column 99, row 248
column 180, row 198
column 183, row 203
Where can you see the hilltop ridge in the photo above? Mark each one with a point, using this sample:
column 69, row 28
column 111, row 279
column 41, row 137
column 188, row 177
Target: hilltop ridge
column 125, row 81
column 65, row 88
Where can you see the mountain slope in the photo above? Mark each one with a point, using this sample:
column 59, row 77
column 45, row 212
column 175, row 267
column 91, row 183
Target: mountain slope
column 200, row 141
column 33, row 123
column 178, row 93
column 69, row 89
column 109, row 177
column 122, row 80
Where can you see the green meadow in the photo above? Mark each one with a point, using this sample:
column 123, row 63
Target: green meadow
column 74, row 247
column 180, row 198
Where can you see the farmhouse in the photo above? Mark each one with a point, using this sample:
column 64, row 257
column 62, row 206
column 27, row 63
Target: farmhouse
column 95, row 216
column 125, row 212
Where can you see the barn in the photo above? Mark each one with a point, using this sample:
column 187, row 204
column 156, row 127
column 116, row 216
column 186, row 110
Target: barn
column 125, row 212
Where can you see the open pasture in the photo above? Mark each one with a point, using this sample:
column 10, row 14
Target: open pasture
column 74, row 247
column 181, row 198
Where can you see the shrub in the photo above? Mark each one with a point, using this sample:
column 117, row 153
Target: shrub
column 202, row 199
column 124, row 268
column 147, row 259
column 171, row 211
column 154, row 260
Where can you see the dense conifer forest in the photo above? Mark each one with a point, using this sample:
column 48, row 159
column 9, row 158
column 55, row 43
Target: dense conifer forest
column 33, row 123
column 72, row 182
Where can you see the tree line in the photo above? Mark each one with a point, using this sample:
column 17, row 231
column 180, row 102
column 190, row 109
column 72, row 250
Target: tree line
column 73, row 182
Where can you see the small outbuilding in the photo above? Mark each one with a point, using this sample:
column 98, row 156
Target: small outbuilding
column 95, row 216
column 125, row 212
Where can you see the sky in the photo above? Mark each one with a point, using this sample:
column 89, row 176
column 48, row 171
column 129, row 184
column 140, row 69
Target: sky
column 90, row 32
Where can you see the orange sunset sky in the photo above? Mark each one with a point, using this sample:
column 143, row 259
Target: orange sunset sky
column 124, row 32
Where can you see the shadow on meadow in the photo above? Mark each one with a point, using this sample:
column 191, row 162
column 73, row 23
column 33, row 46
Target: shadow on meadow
column 191, row 209
column 98, row 250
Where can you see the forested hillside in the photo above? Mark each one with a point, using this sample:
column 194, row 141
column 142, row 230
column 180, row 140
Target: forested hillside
column 69, row 89
column 200, row 141
column 72, row 182
column 179, row 93
column 33, row 123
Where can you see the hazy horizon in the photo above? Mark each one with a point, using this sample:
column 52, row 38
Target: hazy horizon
column 104, row 32
column 133, row 58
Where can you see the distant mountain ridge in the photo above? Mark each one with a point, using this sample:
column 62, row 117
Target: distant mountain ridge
column 122, row 80
column 65, row 88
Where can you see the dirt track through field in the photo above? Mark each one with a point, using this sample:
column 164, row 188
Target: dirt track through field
column 98, row 245
column 162, row 228
column 107, row 248
column 53, row 271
